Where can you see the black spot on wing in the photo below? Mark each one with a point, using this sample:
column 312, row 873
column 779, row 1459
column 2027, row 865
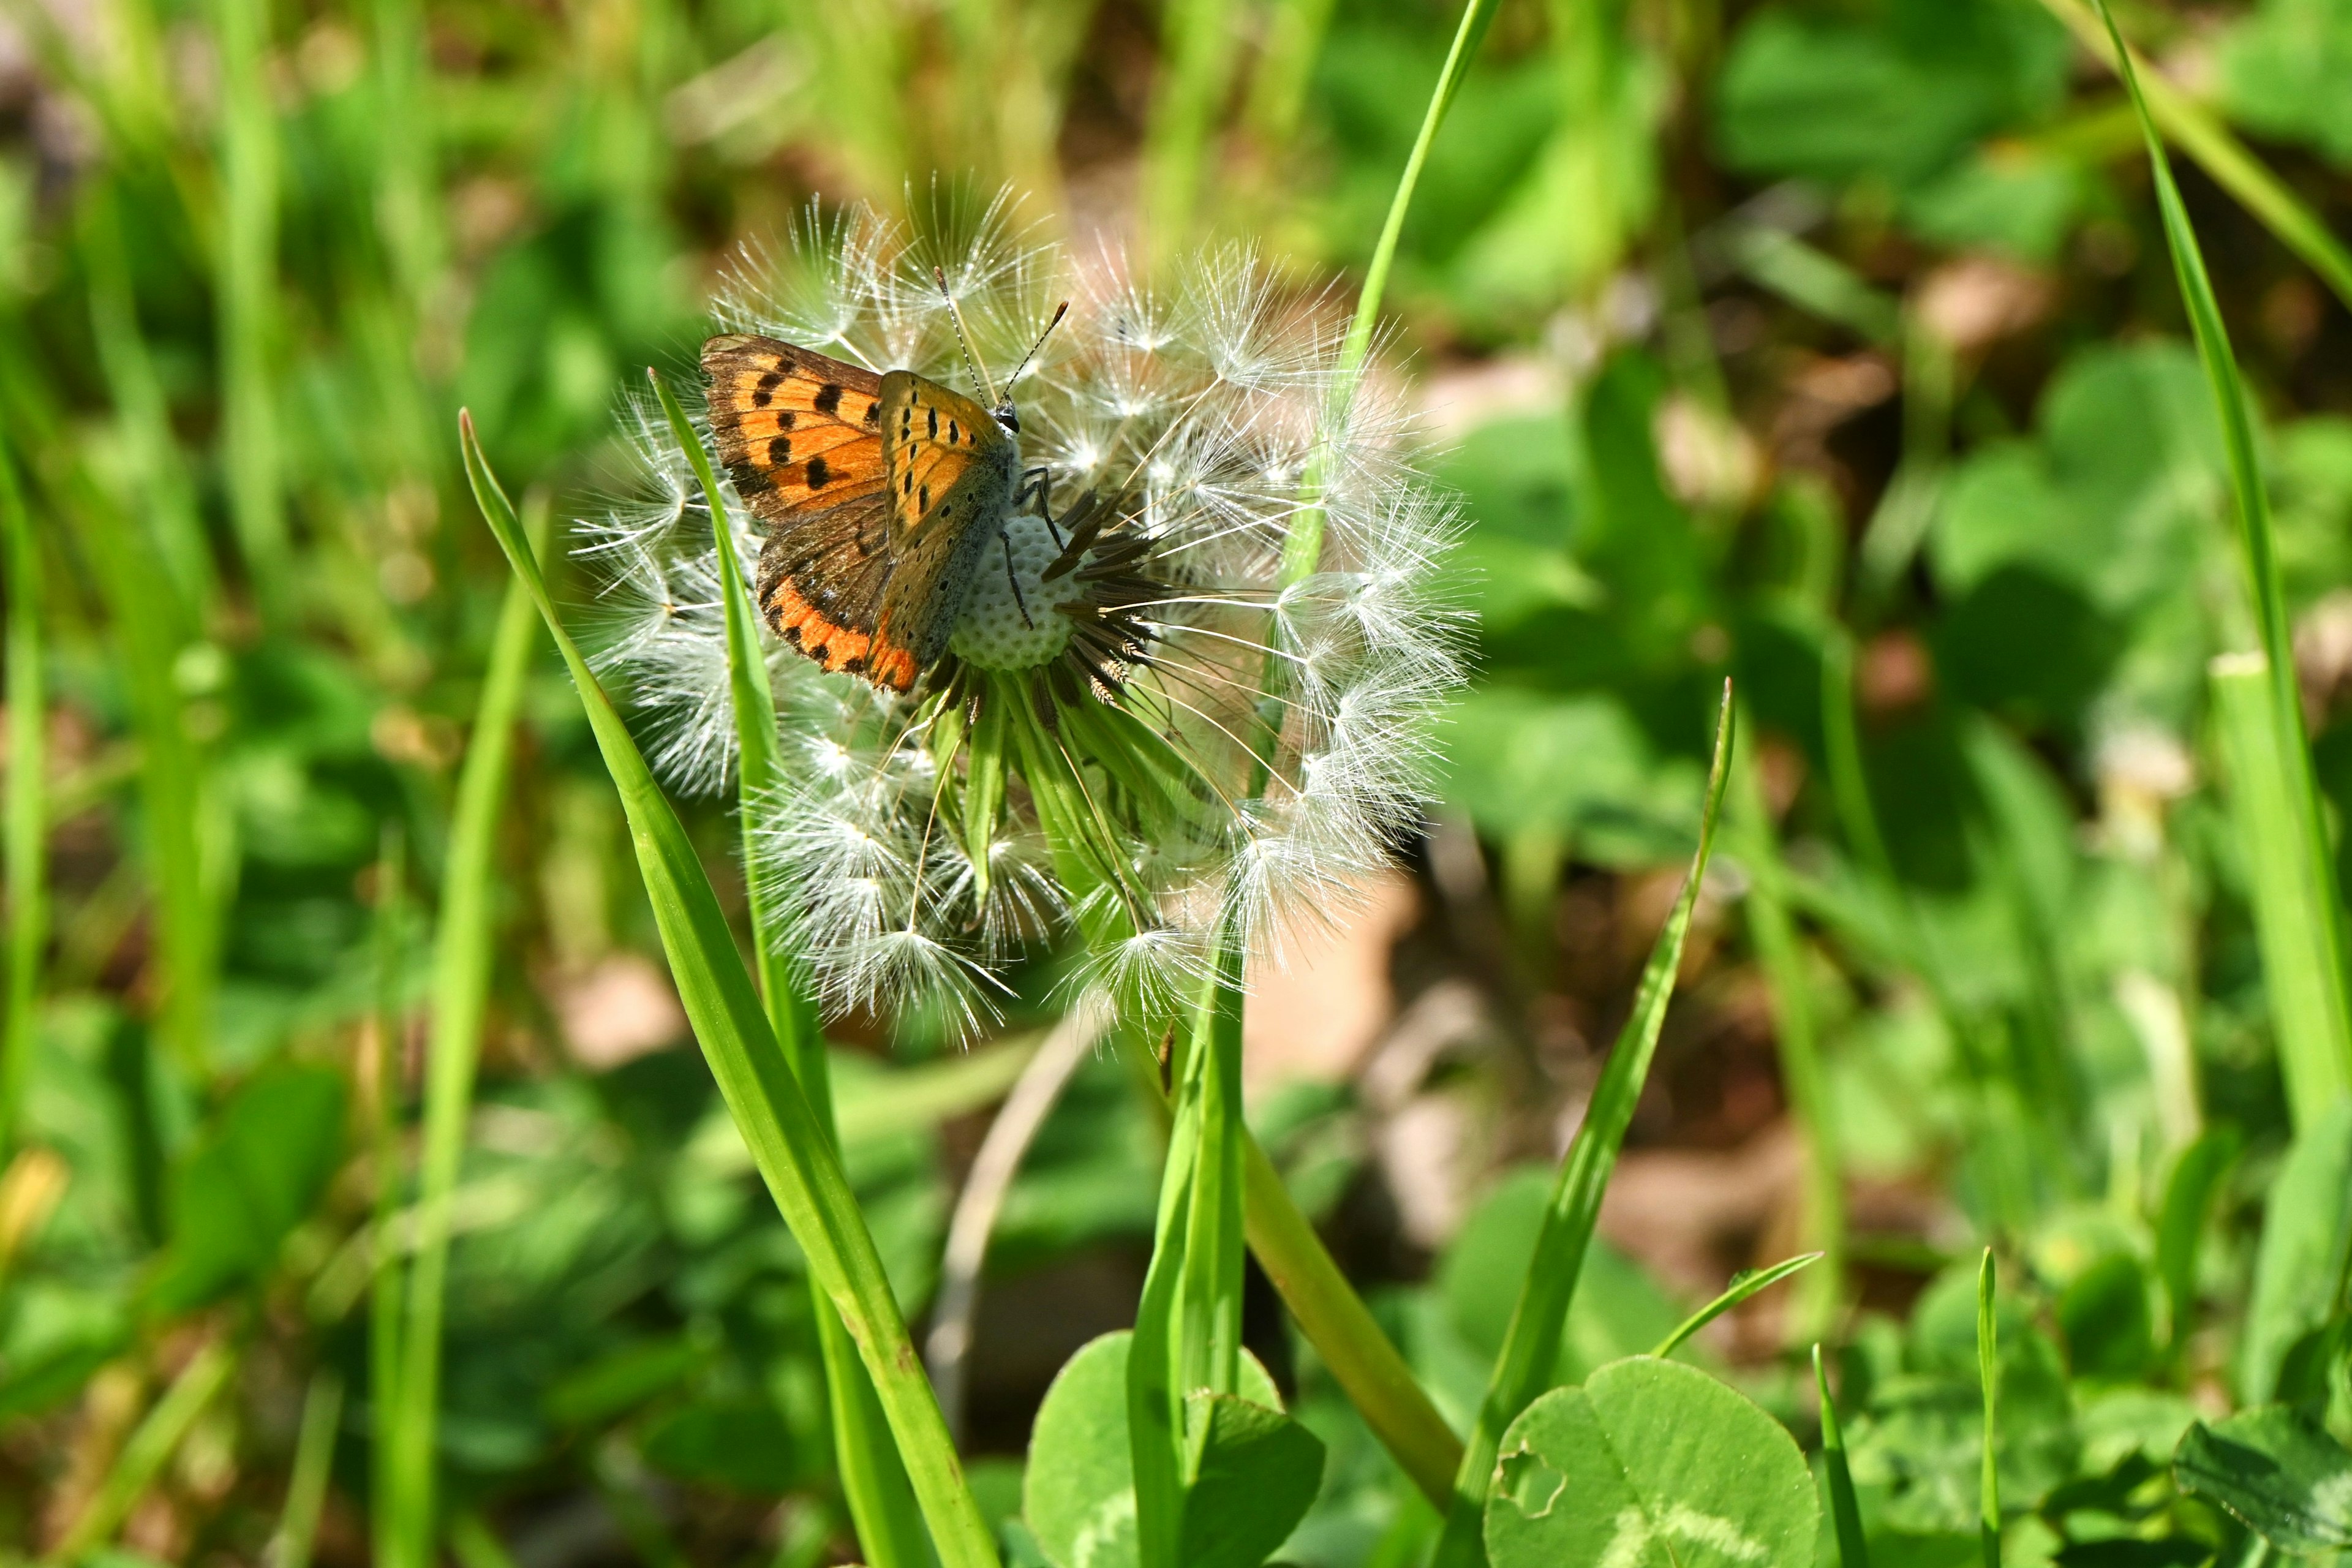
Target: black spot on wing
column 818, row 473
column 827, row 400
column 780, row 451
column 935, row 424
column 765, row 393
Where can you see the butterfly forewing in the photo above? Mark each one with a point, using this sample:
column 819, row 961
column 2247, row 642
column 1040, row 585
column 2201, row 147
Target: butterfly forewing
column 874, row 488
column 951, row 478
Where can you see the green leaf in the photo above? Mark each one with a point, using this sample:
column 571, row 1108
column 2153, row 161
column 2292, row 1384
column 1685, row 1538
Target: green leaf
column 1078, row 1493
column 1897, row 98
column 2299, row 1270
column 1256, row 1477
column 2104, row 1313
column 2283, row 68
column 2277, row 1471
column 1576, row 766
column 742, row 1445
column 255, row 1175
column 1651, row 1464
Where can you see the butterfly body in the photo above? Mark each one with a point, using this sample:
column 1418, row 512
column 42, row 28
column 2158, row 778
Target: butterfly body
column 881, row 494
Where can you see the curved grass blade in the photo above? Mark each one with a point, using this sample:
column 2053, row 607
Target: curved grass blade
column 881, row 1504
column 27, row 811
column 1774, row 932
column 247, row 289
column 1746, row 1283
column 2317, row 1054
column 461, row 982
column 1988, row 1378
column 306, row 1490
column 151, row 1443
column 787, row 1141
column 387, row 1273
column 1853, row 1551
column 1531, row 1345
column 1304, row 545
column 2228, row 160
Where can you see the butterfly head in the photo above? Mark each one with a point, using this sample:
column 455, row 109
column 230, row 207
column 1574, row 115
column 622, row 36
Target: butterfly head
column 1007, row 416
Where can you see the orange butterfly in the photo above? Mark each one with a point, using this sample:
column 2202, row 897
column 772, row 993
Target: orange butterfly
column 881, row 494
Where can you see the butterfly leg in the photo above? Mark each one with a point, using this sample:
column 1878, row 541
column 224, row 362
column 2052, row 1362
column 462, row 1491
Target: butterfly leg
column 1013, row 578
column 1037, row 485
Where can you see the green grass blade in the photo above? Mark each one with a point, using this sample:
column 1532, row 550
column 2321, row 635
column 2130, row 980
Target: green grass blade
column 1743, row 1285
column 462, row 958
column 1304, row 545
column 1285, row 71
column 314, row 1457
column 1853, row 1552
column 407, row 209
column 387, row 1277
column 248, row 293
column 1780, row 956
column 1989, row 1379
column 881, row 1503
column 144, row 1456
column 2189, row 1194
column 1531, row 1345
column 1198, row 43
column 474, row 1546
column 26, row 812
column 2289, row 921
column 775, row 1119
column 759, row 768
column 153, row 466
column 173, row 782
column 2227, row 160
column 2318, row 1057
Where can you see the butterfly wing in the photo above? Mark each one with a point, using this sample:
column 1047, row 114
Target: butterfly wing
column 871, row 485
column 951, row 472
column 800, row 435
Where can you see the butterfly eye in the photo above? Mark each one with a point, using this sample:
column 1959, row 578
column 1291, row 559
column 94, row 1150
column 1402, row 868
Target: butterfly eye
column 1008, row 418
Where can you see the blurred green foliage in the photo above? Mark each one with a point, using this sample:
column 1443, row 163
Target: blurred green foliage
column 1835, row 352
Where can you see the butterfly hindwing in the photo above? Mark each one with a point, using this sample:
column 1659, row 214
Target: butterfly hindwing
column 874, row 488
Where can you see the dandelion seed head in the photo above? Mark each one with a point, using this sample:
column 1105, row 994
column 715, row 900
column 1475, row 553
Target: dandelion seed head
column 1163, row 742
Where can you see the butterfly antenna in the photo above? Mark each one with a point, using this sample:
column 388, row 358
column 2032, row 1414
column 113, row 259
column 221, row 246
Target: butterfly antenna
column 970, row 360
column 1060, row 310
